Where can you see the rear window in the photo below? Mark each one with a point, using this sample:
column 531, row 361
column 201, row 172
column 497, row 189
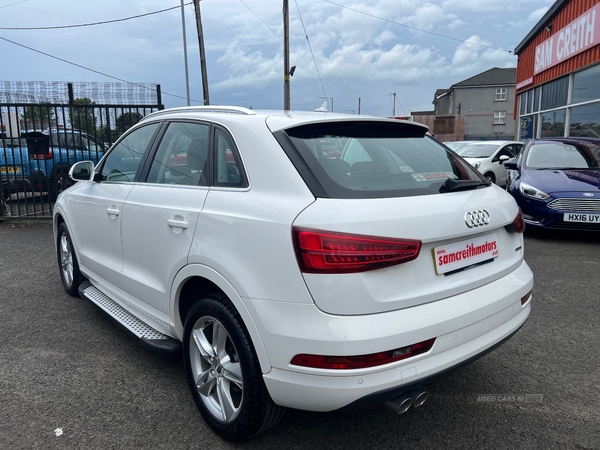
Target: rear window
column 369, row 159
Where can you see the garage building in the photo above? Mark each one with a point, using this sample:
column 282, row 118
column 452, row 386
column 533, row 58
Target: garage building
column 558, row 73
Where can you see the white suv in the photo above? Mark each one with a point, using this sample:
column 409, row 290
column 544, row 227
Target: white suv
column 306, row 260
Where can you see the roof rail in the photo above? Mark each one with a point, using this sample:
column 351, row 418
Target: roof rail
column 207, row 109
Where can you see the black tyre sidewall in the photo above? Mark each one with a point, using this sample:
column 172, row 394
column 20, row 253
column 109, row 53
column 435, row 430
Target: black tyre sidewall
column 492, row 176
column 74, row 288
column 255, row 396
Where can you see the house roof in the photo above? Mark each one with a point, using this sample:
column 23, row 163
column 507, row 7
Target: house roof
column 553, row 11
column 440, row 92
column 492, row 77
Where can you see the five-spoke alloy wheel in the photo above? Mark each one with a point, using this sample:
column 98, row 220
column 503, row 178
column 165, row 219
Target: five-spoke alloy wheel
column 67, row 261
column 223, row 371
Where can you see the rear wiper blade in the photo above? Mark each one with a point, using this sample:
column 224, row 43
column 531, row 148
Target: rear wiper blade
column 452, row 185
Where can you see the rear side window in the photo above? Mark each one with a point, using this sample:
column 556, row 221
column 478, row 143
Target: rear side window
column 370, row 159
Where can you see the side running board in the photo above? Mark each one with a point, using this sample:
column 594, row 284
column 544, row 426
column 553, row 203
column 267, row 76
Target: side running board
column 149, row 337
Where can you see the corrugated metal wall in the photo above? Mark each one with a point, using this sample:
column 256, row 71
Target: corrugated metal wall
column 526, row 62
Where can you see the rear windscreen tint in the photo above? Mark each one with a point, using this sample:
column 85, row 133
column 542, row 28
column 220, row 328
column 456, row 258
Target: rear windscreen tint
column 373, row 159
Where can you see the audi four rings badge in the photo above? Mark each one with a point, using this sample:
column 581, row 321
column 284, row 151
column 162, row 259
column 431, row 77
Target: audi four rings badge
column 477, row 218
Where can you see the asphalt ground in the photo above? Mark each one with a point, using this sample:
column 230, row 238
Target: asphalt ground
column 71, row 379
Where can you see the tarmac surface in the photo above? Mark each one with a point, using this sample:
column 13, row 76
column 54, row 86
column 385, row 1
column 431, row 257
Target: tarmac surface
column 72, row 379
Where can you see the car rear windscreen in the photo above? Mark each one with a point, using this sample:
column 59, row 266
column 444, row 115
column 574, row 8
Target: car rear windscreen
column 371, row 159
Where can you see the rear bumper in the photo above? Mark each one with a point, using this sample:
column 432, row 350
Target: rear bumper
column 465, row 326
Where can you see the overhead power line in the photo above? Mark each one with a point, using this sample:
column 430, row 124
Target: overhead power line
column 415, row 28
column 62, row 27
column 91, row 70
column 295, row 52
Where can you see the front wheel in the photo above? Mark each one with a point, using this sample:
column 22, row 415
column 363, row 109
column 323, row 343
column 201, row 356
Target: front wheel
column 490, row 177
column 223, row 371
column 67, row 262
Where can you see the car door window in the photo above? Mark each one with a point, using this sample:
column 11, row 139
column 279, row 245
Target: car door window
column 181, row 156
column 123, row 162
column 506, row 151
column 228, row 167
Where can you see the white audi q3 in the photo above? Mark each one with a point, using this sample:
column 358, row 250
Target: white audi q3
column 314, row 261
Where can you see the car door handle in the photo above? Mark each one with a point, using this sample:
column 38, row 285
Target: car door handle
column 177, row 223
column 113, row 211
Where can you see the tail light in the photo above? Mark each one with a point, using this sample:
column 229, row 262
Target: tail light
column 362, row 361
column 525, row 298
column 329, row 252
column 518, row 225
column 38, row 156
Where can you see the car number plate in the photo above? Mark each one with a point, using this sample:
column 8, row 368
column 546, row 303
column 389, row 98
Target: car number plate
column 448, row 258
column 10, row 169
column 582, row 218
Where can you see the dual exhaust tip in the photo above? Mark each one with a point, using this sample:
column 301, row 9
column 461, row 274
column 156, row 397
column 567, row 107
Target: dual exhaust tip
column 404, row 402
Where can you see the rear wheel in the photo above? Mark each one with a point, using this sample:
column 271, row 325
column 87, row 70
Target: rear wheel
column 58, row 183
column 223, row 371
column 67, row 262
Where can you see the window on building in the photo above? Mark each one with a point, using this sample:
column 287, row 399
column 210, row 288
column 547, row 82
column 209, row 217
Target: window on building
column 554, row 94
column 586, row 85
column 501, row 94
column 523, row 103
column 585, row 120
column 499, row 117
column 553, row 123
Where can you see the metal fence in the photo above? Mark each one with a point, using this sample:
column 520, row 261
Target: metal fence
column 39, row 142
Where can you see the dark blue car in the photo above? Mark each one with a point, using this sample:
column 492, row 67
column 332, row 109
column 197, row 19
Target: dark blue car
column 556, row 182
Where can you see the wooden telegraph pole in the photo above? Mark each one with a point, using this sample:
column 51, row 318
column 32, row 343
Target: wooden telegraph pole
column 286, row 56
column 202, row 54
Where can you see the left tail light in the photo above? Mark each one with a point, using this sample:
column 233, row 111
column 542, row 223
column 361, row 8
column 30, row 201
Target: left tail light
column 518, row 225
column 332, row 252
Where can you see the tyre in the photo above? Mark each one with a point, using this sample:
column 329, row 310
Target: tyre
column 58, row 183
column 490, row 177
column 67, row 262
column 223, row 371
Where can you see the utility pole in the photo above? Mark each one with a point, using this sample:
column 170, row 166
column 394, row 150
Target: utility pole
column 202, row 54
column 359, row 106
column 394, row 110
column 286, row 56
column 185, row 58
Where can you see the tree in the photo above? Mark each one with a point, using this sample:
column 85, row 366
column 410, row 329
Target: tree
column 127, row 120
column 38, row 117
column 82, row 117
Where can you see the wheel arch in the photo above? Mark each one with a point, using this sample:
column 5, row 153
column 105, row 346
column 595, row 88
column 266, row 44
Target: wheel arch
column 184, row 290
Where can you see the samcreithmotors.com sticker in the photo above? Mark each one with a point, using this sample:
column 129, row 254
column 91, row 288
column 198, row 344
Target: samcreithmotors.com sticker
column 448, row 258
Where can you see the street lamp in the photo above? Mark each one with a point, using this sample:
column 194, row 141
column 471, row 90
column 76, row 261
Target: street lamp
column 329, row 98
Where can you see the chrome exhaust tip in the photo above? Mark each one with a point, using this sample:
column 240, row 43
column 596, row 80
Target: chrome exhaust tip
column 419, row 398
column 400, row 404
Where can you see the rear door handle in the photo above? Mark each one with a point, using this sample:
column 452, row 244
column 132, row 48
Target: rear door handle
column 113, row 212
column 177, row 223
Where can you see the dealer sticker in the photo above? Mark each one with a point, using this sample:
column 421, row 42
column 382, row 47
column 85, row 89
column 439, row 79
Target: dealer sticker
column 459, row 255
column 581, row 218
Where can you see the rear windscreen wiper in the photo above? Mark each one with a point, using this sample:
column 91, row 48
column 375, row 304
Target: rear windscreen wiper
column 451, row 185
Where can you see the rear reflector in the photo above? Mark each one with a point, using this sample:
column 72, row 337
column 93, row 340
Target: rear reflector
column 362, row 361
column 526, row 298
column 329, row 252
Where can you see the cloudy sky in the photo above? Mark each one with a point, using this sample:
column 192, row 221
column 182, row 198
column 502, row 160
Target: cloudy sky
column 367, row 49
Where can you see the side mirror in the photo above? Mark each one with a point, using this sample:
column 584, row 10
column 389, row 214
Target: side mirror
column 503, row 158
column 82, row 171
column 510, row 164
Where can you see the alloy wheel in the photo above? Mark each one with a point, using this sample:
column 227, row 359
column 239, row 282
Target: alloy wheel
column 216, row 369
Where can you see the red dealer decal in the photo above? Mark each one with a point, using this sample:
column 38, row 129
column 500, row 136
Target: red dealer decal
column 465, row 253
